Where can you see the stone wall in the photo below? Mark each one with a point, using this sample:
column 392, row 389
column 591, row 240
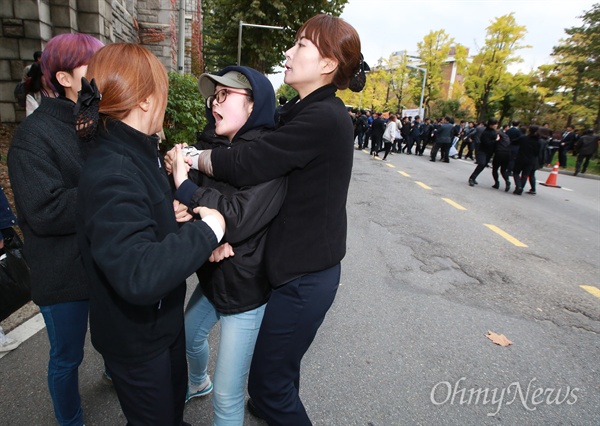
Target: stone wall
column 27, row 25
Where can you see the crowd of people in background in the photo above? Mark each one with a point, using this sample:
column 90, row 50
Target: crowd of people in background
column 511, row 150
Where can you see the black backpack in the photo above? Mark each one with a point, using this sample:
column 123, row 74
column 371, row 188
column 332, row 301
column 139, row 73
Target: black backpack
column 20, row 94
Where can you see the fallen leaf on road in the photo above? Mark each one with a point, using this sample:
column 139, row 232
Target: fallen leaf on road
column 499, row 339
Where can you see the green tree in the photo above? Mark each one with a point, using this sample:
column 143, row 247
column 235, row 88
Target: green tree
column 286, row 90
column 489, row 66
column 185, row 114
column 262, row 48
column 579, row 56
column 433, row 51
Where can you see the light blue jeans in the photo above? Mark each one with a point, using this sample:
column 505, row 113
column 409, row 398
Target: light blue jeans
column 66, row 324
column 236, row 345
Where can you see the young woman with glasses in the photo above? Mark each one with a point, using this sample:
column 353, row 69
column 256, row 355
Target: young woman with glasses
column 234, row 292
column 313, row 147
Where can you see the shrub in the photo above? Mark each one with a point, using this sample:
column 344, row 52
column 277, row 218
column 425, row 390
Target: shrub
column 185, row 114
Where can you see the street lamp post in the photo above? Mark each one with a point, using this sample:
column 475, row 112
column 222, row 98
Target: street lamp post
column 423, row 87
column 244, row 24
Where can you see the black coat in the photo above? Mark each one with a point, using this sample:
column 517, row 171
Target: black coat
column 377, row 129
column 239, row 283
column 134, row 251
column 314, row 148
column 44, row 165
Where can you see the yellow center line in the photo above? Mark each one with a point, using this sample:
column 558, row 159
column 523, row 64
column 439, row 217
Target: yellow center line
column 505, row 235
column 403, row 173
column 422, row 185
column 365, row 151
column 595, row 291
column 390, row 165
column 452, row 203
column 377, row 158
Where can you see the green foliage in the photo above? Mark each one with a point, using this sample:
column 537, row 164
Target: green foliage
column 262, row 48
column 578, row 57
column 450, row 108
column 185, row 113
column 286, row 90
column 489, row 66
column 433, row 51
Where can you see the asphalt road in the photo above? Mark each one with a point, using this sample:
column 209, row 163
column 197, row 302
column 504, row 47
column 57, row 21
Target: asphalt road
column 424, row 279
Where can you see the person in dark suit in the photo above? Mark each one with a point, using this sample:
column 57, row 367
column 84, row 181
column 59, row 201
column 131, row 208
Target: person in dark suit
column 377, row 130
column 443, row 139
column 426, row 131
column 514, row 134
column 415, row 136
column 587, row 147
column 485, row 149
column 567, row 143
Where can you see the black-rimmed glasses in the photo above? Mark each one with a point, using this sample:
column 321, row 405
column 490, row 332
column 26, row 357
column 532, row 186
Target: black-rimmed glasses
column 221, row 95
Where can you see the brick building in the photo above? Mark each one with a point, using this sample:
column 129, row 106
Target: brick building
column 26, row 26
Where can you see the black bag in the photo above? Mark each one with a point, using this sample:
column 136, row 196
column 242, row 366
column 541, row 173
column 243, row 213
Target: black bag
column 20, row 94
column 15, row 287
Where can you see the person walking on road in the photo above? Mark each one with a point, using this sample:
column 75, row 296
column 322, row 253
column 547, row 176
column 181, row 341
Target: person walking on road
column 586, row 147
column 485, row 150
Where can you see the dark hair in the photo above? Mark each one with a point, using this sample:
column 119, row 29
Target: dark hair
column 37, row 55
column 282, row 100
column 336, row 39
column 515, row 123
column 491, row 122
column 533, row 130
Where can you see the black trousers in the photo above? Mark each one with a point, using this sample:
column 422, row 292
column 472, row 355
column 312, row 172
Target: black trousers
column 482, row 158
column 444, row 149
column 500, row 161
column 387, row 146
column 361, row 135
column 469, row 145
column 293, row 315
column 424, row 143
column 375, row 145
column 153, row 392
column 582, row 158
column 521, row 173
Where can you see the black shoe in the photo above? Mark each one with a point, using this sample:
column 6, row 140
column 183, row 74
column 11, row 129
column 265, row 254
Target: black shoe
column 518, row 191
column 446, row 161
column 432, row 160
column 471, row 182
column 507, row 187
column 252, row 409
column 496, row 185
column 532, row 192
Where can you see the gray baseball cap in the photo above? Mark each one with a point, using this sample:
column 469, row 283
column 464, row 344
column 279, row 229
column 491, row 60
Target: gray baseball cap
column 235, row 79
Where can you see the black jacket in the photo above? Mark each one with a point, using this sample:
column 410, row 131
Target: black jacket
column 377, row 129
column 529, row 149
column 503, row 144
column 444, row 133
column 587, row 144
column 488, row 140
column 134, row 251
column 44, row 165
column 314, row 148
column 239, row 283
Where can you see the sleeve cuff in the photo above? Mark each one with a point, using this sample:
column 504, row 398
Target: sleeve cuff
column 213, row 222
column 185, row 192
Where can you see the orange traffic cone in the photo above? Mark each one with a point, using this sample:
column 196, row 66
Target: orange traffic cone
column 551, row 181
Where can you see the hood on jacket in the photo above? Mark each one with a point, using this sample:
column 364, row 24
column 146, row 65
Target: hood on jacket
column 263, row 94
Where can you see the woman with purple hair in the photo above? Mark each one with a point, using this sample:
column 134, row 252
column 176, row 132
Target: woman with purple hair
column 44, row 165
